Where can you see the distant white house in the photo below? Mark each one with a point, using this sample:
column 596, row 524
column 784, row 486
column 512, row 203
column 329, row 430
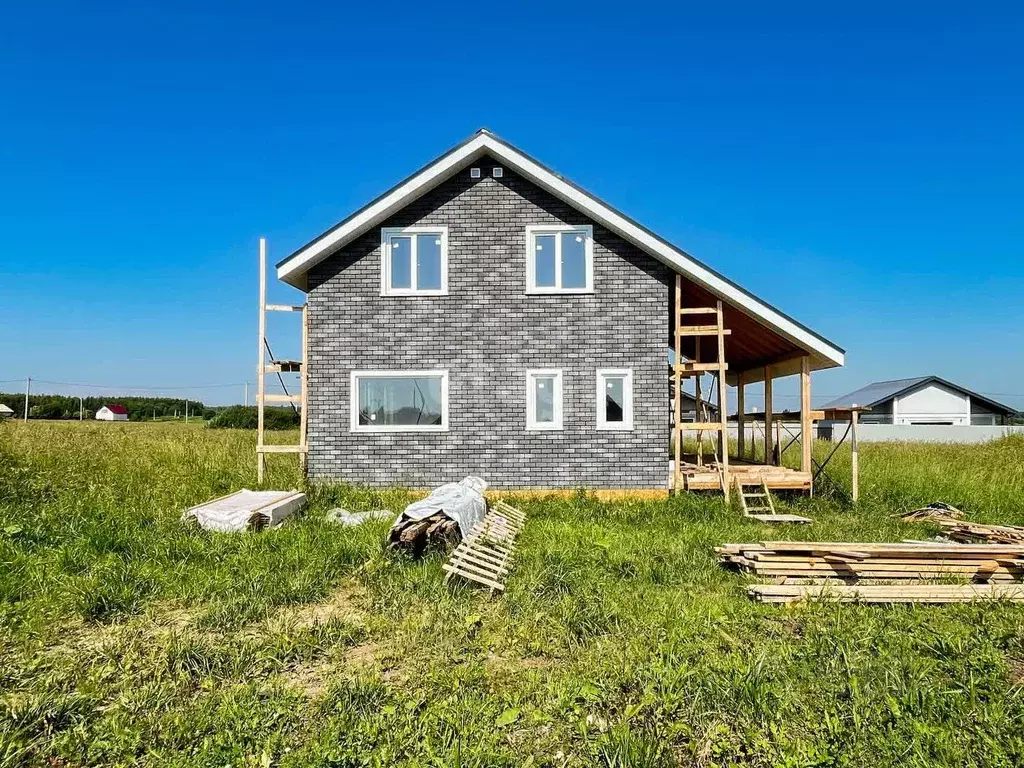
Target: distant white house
column 925, row 400
column 112, row 412
column 5, row 412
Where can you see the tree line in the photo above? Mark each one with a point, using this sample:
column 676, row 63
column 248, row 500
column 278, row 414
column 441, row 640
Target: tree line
column 139, row 408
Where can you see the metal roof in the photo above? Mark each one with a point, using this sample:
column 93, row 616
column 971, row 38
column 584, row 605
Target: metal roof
column 883, row 391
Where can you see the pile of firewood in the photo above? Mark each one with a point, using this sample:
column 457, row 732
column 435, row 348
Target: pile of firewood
column 415, row 536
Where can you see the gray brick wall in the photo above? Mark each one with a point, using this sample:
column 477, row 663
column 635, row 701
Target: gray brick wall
column 487, row 332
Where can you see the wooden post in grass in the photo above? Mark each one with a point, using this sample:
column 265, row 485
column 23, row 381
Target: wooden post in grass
column 768, row 422
column 854, row 459
column 741, row 425
column 677, row 380
column 261, row 461
column 805, row 414
column 28, row 388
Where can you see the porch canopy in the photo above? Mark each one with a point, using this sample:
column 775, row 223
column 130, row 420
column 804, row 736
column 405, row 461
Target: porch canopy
column 753, row 344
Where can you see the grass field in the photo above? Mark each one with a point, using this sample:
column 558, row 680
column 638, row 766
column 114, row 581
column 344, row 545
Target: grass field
column 129, row 639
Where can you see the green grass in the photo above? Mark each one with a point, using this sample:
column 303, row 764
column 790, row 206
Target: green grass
column 129, row 639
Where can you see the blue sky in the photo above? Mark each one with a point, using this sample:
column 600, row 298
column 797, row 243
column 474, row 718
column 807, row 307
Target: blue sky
column 859, row 166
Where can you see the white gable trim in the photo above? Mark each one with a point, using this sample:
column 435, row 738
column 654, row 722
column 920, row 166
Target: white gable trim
column 293, row 270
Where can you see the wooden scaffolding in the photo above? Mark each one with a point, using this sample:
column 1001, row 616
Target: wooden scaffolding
column 267, row 365
column 688, row 324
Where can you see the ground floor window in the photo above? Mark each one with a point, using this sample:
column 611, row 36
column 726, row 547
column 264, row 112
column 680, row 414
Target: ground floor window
column 399, row 401
column 544, row 399
column 614, row 399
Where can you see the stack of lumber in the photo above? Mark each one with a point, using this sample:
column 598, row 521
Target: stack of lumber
column 880, row 593
column 979, row 533
column 485, row 555
column 414, row 536
column 808, row 565
column 967, row 531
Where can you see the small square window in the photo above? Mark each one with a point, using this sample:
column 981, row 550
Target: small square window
column 559, row 259
column 544, row 399
column 615, row 399
column 497, row 172
column 414, row 261
column 474, row 173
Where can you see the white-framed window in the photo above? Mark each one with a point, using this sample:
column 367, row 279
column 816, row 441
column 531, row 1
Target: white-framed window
column 544, row 399
column 560, row 259
column 615, row 398
column 414, row 261
column 399, row 401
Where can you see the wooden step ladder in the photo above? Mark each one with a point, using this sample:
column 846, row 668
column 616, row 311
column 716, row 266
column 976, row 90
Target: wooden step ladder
column 267, row 366
column 759, row 504
column 687, row 326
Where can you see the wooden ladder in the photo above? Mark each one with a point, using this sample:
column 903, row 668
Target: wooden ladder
column 687, row 326
column 267, row 365
column 759, row 505
column 756, row 501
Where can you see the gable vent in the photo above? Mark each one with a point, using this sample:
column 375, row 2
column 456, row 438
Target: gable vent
column 474, row 173
column 497, row 172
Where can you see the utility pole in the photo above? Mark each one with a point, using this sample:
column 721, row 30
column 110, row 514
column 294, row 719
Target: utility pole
column 28, row 388
column 247, row 393
column 186, row 411
column 81, row 408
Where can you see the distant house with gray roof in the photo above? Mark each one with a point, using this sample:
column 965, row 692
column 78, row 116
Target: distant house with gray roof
column 924, row 400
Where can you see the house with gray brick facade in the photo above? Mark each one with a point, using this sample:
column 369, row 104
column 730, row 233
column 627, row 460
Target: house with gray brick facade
column 487, row 316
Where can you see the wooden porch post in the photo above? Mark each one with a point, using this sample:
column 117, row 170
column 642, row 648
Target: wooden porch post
column 741, row 438
column 677, row 383
column 768, row 421
column 855, row 459
column 723, row 433
column 806, row 438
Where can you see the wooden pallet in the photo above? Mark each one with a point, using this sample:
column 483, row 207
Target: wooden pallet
column 485, row 555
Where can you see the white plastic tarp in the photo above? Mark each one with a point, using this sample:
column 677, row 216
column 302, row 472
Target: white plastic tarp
column 463, row 502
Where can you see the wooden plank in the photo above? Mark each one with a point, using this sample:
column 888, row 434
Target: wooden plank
column 482, row 563
column 768, row 406
column 923, row 593
column 276, row 398
column 261, row 385
column 741, row 434
column 281, row 448
column 284, row 308
column 304, row 384
column 778, row 518
column 723, row 404
column 473, row 576
column 677, row 394
column 806, row 438
column 700, row 330
column 696, row 311
column 854, row 460
column 700, row 426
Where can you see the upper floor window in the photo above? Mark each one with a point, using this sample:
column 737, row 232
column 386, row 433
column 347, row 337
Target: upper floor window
column 559, row 259
column 414, row 261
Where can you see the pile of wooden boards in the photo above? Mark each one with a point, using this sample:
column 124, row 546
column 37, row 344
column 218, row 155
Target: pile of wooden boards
column 880, row 593
column 880, row 572
column 485, row 555
column 967, row 531
column 414, row 536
